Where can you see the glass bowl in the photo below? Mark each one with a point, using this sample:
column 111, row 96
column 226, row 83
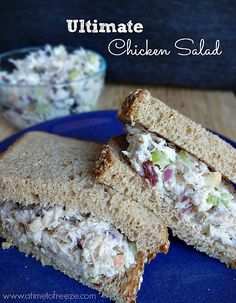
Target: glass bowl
column 24, row 105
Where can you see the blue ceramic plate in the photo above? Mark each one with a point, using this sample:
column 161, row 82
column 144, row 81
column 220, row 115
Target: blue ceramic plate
column 184, row 275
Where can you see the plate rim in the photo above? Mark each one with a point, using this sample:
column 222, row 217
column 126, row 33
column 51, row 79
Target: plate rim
column 89, row 115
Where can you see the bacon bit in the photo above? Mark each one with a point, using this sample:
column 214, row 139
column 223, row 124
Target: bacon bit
column 184, row 198
column 79, row 245
column 149, row 172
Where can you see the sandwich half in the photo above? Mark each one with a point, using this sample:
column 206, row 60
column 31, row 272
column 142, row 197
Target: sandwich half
column 179, row 170
column 52, row 208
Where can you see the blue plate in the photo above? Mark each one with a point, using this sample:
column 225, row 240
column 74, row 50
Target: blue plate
column 184, row 275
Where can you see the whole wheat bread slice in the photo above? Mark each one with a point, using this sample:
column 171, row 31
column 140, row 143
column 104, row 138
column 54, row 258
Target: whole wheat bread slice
column 141, row 108
column 48, row 169
column 113, row 169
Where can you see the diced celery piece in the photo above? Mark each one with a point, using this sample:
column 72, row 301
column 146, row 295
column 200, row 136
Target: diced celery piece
column 73, row 75
column 184, row 156
column 215, row 200
column 29, row 243
column 39, row 91
column 41, row 108
column 91, row 57
column 133, row 248
column 160, row 158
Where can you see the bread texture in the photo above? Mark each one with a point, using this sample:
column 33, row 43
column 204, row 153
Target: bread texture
column 48, row 169
column 122, row 288
column 143, row 109
column 113, row 169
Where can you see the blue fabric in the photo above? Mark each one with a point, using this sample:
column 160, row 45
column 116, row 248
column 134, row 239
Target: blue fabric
column 34, row 22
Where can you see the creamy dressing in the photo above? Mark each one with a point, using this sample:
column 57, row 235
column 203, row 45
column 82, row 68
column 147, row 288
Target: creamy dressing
column 198, row 195
column 92, row 247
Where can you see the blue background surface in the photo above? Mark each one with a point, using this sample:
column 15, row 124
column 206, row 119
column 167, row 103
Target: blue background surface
column 184, row 275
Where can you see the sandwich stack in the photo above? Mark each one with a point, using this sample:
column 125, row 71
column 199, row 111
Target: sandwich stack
column 100, row 221
column 52, row 208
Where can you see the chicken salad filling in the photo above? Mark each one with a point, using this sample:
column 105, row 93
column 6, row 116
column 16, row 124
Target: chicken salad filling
column 50, row 82
column 91, row 247
column 198, row 194
column 51, row 65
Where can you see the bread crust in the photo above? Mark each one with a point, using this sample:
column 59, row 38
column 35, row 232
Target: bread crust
column 129, row 105
column 11, row 147
column 112, row 170
column 105, row 159
column 103, row 162
column 152, row 114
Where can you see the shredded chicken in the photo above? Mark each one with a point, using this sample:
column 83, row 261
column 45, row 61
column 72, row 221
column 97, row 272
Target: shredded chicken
column 199, row 195
column 91, row 247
